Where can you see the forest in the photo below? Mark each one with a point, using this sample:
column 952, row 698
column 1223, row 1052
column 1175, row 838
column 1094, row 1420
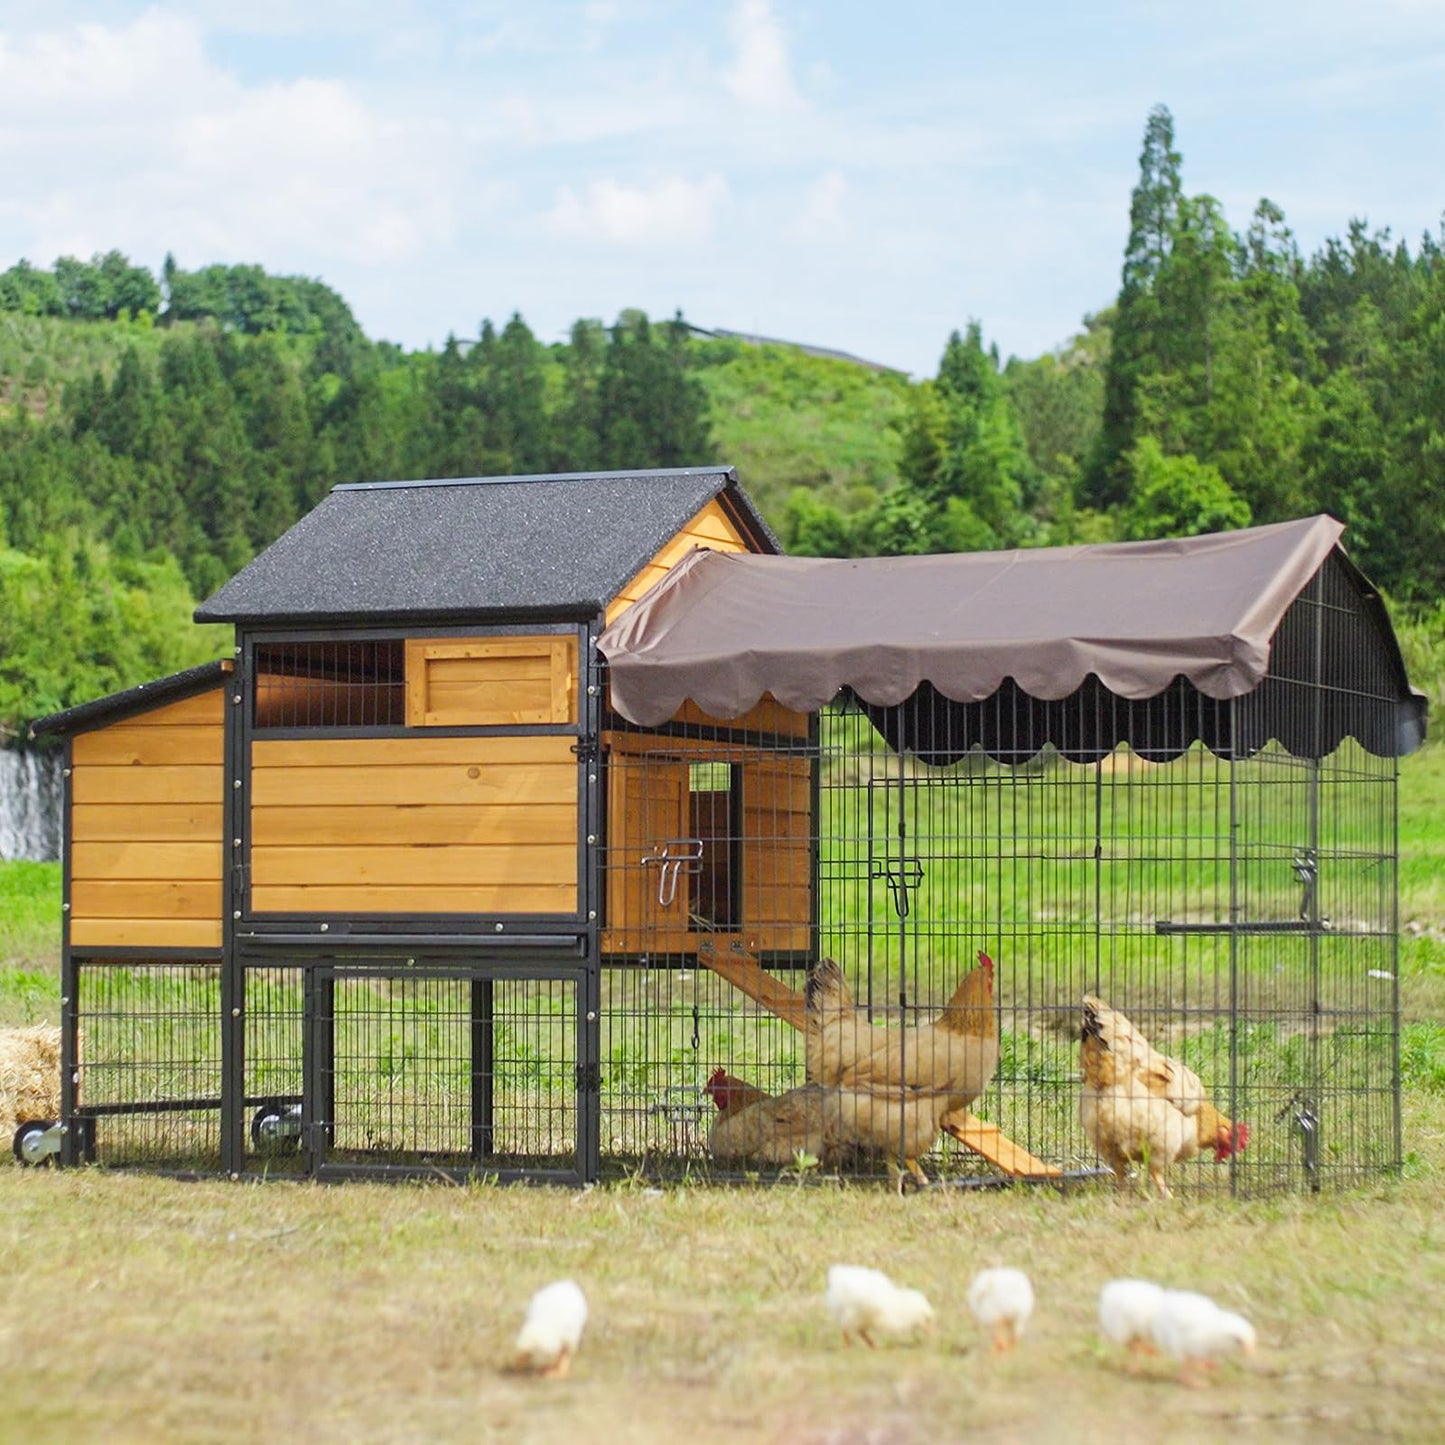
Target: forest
column 156, row 431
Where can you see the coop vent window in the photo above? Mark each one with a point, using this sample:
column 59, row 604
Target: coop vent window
column 330, row 684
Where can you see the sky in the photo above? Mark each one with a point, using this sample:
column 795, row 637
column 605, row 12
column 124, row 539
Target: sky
column 847, row 174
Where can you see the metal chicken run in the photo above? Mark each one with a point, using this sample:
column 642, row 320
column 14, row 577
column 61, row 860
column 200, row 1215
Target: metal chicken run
column 478, row 912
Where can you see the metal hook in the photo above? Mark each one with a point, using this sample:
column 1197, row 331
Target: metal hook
column 674, row 865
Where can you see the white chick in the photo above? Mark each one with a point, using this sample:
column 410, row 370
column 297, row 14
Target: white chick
column 552, row 1330
column 1126, row 1315
column 1197, row 1332
column 864, row 1301
column 1002, row 1299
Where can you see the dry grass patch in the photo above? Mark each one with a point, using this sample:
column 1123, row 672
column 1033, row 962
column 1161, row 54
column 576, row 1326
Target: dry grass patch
column 141, row 1308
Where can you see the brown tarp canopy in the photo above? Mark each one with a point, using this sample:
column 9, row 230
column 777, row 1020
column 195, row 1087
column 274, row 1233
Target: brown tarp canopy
column 1128, row 621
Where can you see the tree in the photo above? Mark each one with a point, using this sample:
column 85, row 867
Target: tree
column 1154, row 213
column 1177, row 496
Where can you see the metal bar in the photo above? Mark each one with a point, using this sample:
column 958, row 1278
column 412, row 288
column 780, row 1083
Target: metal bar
column 483, row 1069
column 235, row 851
column 70, row 999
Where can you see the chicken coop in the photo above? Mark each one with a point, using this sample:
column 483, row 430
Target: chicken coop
column 527, row 809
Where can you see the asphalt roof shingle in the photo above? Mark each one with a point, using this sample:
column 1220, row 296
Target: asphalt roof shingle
column 469, row 547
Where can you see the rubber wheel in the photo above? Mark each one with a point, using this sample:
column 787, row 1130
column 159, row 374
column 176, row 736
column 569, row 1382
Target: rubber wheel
column 31, row 1129
column 263, row 1143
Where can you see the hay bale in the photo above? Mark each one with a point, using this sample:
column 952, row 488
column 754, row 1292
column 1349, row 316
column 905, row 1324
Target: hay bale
column 29, row 1077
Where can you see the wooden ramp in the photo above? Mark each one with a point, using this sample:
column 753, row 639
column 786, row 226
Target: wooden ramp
column 984, row 1139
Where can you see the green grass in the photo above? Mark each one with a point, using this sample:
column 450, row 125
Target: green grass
column 29, row 943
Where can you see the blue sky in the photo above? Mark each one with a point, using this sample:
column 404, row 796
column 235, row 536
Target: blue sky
column 854, row 175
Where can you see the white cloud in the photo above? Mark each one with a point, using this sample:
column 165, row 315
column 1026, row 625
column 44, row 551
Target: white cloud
column 112, row 136
column 89, row 70
column 822, row 214
column 662, row 214
column 761, row 75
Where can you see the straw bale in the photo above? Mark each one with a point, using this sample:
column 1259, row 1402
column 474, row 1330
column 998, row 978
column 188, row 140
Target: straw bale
column 29, row 1076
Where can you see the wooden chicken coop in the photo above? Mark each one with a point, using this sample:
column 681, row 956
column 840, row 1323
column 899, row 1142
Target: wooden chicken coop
column 525, row 805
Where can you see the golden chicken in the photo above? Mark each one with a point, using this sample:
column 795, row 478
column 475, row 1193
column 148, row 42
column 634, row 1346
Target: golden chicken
column 954, row 1055
column 832, row 1124
column 766, row 1129
column 1139, row 1107
column 894, row 1122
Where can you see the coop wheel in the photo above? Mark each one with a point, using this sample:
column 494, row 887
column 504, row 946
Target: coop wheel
column 276, row 1128
column 29, row 1144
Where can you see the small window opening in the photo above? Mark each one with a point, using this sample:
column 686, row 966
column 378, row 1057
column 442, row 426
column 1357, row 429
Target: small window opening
column 715, row 820
column 330, row 684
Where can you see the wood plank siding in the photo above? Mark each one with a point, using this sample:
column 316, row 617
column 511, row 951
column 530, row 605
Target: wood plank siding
column 712, row 527
column 146, row 844
column 415, row 825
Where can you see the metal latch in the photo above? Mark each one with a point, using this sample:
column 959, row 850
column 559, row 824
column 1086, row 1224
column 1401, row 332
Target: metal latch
column 1307, row 870
column 676, row 857
column 1301, row 1113
column 907, row 876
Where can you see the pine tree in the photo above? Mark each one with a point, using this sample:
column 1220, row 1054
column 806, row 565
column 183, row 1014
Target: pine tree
column 1138, row 344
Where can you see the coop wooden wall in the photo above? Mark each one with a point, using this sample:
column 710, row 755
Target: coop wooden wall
column 146, row 832
column 647, row 797
column 712, row 527
column 414, row 825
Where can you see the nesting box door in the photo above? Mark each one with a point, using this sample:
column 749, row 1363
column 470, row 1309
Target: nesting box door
column 709, row 844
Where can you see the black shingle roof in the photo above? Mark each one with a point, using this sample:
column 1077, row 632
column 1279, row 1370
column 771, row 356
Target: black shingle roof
column 474, row 547
column 134, row 700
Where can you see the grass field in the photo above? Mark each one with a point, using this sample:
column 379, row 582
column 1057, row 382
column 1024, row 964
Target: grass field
column 138, row 1308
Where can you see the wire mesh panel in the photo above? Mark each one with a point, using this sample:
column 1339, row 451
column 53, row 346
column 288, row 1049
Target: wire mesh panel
column 1231, row 907
column 429, row 1070
column 350, row 683
column 273, row 1071
column 149, row 1050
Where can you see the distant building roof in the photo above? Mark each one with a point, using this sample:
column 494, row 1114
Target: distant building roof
column 474, row 547
column 722, row 334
